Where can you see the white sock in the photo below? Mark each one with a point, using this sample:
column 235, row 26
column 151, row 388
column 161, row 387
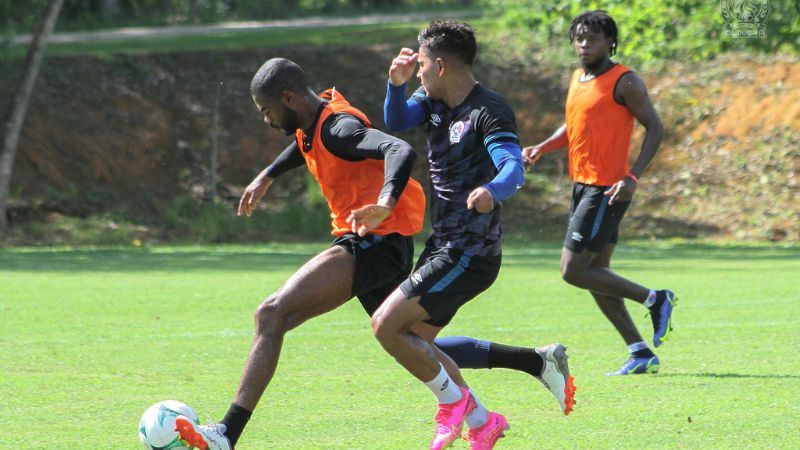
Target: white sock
column 651, row 298
column 479, row 415
column 445, row 389
column 636, row 346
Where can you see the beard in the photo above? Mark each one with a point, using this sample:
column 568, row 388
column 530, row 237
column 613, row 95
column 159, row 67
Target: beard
column 291, row 122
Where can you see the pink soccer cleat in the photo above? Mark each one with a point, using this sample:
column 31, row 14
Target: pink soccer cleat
column 485, row 436
column 450, row 420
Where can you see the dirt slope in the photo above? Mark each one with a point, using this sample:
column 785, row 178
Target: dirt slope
column 131, row 133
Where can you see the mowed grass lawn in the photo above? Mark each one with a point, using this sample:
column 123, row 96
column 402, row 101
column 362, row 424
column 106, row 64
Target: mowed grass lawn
column 90, row 338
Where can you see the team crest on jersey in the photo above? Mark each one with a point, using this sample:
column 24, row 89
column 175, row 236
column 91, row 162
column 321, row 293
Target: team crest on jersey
column 436, row 120
column 457, row 130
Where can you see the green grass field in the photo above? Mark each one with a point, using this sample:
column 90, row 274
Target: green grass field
column 90, row 338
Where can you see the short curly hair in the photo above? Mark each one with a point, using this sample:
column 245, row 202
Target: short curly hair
column 449, row 37
column 597, row 20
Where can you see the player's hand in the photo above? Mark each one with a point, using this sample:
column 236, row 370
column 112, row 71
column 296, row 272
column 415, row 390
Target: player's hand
column 480, row 199
column 403, row 66
column 253, row 194
column 531, row 154
column 621, row 191
column 367, row 218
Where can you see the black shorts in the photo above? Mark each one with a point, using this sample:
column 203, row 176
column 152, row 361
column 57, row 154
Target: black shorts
column 445, row 279
column 592, row 221
column 382, row 262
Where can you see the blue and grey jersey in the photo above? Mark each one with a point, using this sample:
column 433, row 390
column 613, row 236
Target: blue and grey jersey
column 460, row 141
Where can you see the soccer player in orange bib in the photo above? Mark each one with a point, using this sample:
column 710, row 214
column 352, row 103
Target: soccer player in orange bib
column 375, row 208
column 603, row 100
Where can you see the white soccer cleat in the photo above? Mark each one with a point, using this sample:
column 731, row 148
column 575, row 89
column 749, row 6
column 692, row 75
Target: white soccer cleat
column 555, row 375
column 203, row 437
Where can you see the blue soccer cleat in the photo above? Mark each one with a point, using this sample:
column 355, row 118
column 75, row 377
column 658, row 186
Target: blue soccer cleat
column 661, row 313
column 636, row 365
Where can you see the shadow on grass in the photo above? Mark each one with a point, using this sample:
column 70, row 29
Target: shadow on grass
column 729, row 375
column 272, row 257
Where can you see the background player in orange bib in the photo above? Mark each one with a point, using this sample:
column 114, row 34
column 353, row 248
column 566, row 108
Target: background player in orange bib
column 604, row 98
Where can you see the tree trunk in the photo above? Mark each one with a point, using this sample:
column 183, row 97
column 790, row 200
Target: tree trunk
column 15, row 114
column 213, row 172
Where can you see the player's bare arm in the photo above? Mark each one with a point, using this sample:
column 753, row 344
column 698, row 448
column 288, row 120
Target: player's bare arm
column 557, row 141
column 632, row 92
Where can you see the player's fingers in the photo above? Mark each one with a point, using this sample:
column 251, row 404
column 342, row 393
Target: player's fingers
column 251, row 204
column 471, row 200
column 614, row 197
column 248, row 203
column 241, row 205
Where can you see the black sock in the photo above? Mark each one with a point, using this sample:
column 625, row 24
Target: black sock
column 235, row 421
column 643, row 353
column 517, row 358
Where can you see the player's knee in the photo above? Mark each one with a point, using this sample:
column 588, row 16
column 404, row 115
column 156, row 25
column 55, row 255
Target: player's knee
column 377, row 324
column 269, row 314
column 381, row 327
column 571, row 275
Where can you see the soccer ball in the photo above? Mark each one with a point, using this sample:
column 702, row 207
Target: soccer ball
column 157, row 426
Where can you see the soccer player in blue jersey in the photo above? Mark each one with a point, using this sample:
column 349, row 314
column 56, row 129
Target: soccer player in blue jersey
column 475, row 163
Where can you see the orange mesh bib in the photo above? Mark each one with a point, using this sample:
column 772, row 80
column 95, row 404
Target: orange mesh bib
column 349, row 185
column 598, row 128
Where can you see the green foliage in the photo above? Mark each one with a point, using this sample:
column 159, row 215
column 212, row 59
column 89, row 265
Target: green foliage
column 97, row 229
column 189, row 219
column 650, row 32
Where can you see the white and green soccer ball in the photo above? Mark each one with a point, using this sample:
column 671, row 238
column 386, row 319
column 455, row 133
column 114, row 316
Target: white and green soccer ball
column 157, row 426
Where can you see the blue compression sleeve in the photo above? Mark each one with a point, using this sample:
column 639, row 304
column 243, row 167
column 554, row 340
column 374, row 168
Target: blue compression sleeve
column 398, row 113
column 507, row 157
column 467, row 352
